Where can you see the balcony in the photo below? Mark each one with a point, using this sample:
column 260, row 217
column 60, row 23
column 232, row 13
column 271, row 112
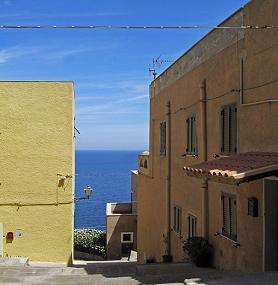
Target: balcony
column 144, row 163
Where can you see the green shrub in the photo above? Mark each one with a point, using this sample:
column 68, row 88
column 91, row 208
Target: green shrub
column 199, row 250
column 90, row 241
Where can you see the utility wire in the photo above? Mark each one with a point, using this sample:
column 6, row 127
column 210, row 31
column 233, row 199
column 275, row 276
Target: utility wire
column 219, row 96
column 136, row 27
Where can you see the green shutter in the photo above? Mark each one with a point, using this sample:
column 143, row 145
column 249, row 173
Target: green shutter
column 233, row 226
column 225, row 212
column 222, row 131
column 187, row 139
column 226, row 130
column 194, row 137
column 191, row 135
column 233, row 129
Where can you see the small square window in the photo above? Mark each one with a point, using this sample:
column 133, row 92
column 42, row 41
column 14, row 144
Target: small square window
column 126, row 237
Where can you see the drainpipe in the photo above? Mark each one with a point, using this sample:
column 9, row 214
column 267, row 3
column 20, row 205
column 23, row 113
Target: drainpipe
column 168, row 193
column 204, row 155
column 241, row 82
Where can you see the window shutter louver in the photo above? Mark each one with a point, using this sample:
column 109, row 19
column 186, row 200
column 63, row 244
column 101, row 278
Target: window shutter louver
column 194, row 137
column 226, row 130
column 233, row 129
column 222, row 130
column 188, row 138
column 191, row 135
column 229, row 227
column 233, row 219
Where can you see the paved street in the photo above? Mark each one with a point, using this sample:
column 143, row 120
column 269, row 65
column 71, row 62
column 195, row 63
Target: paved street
column 125, row 273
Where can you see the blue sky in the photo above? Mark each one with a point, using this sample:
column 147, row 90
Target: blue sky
column 109, row 67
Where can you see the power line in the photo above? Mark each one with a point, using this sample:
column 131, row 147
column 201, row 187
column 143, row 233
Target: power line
column 219, row 96
column 136, row 27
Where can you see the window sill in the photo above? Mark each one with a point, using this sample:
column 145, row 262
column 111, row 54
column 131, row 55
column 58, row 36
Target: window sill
column 195, row 155
column 235, row 243
column 221, row 155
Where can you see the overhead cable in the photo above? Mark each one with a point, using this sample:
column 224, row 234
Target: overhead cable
column 247, row 27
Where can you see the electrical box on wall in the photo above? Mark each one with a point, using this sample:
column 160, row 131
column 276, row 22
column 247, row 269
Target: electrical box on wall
column 253, row 207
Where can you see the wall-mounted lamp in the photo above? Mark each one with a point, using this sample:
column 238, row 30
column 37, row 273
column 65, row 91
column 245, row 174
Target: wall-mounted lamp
column 88, row 190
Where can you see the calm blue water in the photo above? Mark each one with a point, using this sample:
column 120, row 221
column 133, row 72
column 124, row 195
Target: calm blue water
column 108, row 173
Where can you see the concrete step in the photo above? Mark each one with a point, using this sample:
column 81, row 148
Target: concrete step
column 13, row 261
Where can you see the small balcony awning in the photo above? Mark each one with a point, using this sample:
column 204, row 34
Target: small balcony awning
column 236, row 169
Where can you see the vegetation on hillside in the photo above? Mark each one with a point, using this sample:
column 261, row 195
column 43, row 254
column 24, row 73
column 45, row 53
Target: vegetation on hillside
column 90, row 241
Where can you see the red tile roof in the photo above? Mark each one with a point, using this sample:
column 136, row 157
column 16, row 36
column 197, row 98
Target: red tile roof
column 237, row 166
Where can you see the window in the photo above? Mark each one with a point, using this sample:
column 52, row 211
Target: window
column 145, row 164
column 229, row 216
column 126, row 237
column 177, row 220
column 163, row 138
column 191, row 135
column 192, row 226
column 228, row 129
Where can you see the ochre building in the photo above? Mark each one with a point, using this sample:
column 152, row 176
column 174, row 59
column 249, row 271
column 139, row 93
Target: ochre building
column 37, row 170
column 213, row 152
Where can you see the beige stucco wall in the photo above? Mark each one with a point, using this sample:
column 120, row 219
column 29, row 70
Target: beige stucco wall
column 37, row 144
column 115, row 225
column 258, row 131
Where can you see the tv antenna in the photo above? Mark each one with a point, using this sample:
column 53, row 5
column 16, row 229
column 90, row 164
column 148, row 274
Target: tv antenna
column 157, row 63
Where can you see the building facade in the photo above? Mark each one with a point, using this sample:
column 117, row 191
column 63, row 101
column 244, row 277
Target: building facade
column 37, row 170
column 212, row 163
column 121, row 225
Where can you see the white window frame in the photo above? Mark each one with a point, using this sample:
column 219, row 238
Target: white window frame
column 126, row 241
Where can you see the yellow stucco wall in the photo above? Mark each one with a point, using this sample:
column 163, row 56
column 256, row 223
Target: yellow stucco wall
column 37, row 144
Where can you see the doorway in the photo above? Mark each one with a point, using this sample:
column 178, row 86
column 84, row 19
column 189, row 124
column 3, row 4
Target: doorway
column 270, row 224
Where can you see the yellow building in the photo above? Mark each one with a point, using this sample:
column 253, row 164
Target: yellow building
column 37, row 170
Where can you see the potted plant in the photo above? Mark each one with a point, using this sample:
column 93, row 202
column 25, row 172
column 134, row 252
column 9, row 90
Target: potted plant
column 199, row 250
column 166, row 257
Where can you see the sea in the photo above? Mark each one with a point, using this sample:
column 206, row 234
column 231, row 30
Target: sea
column 108, row 173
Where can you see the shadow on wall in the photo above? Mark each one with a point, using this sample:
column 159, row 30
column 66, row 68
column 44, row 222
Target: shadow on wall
column 123, row 235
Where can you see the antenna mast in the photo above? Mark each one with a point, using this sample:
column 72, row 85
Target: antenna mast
column 157, row 62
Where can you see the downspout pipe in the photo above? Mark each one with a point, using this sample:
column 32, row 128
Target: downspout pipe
column 204, row 155
column 168, row 193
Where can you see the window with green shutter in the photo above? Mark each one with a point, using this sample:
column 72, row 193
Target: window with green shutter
column 192, row 226
column 177, row 220
column 163, row 138
column 228, row 129
column 191, row 135
column 229, row 216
